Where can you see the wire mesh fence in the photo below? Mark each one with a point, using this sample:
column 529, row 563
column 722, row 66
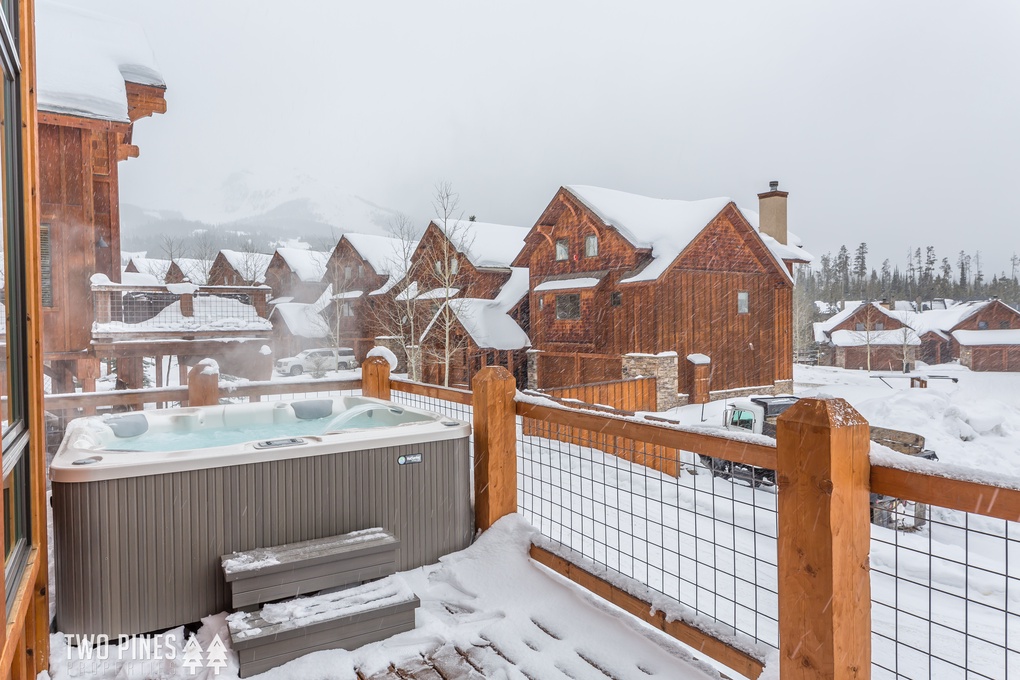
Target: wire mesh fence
column 451, row 409
column 161, row 310
column 945, row 594
column 699, row 534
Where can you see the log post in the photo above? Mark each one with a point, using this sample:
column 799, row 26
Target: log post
column 375, row 378
column 204, row 384
column 495, row 430
column 188, row 305
column 824, row 539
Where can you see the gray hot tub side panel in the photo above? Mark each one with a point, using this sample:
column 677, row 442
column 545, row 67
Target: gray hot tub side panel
column 142, row 554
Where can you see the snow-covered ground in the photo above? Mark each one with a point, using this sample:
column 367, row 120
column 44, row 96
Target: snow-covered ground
column 514, row 618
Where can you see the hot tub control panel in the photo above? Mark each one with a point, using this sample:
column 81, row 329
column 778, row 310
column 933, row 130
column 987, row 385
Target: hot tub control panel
column 279, row 443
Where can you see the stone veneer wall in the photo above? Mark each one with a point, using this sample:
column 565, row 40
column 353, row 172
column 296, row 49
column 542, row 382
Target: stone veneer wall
column 663, row 367
column 533, row 368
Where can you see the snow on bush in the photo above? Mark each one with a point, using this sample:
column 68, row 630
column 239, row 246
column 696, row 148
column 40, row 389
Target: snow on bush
column 386, row 353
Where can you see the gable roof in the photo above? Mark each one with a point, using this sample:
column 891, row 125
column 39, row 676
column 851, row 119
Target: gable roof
column 942, row 320
column 383, row 254
column 305, row 319
column 85, row 58
column 483, row 243
column 488, row 322
column 823, row 329
column 667, row 226
column 896, row 338
column 307, row 265
column 248, row 263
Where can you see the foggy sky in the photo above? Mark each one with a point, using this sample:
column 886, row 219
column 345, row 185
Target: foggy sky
column 895, row 123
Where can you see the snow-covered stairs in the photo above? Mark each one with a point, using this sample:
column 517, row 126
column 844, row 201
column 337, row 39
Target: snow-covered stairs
column 284, row 631
column 267, row 574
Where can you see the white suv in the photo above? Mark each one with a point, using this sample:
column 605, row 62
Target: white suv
column 318, row 359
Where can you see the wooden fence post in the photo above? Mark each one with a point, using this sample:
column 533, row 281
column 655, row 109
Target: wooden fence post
column 375, row 378
column 824, row 540
column 495, row 430
column 204, row 384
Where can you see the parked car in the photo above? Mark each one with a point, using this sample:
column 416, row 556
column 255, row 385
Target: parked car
column 318, row 359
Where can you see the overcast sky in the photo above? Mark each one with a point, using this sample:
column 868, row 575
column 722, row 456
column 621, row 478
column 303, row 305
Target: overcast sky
column 895, row 123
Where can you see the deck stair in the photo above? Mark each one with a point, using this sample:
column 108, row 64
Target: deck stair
column 284, row 631
column 267, row 574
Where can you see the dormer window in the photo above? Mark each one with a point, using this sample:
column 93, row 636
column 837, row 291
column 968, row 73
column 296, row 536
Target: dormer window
column 591, row 245
column 562, row 250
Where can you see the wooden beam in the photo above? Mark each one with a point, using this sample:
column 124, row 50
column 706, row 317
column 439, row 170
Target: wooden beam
column 375, row 378
column 433, row 391
column 759, row 455
column 144, row 100
column 126, row 151
column 495, row 430
column 731, row 657
column 824, row 542
column 955, row 494
column 203, row 386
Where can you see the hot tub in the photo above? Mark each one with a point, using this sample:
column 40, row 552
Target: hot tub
column 145, row 503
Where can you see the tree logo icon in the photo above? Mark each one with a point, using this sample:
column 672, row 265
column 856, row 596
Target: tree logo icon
column 192, row 655
column 216, row 655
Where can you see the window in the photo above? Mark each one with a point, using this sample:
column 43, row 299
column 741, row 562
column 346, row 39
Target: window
column 347, row 309
column 591, row 245
column 438, row 266
column 541, row 304
column 879, row 326
column 45, row 265
column 17, row 485
column 859, row 327
column 568, row 306
column 742, row 419
column 742, row 302
column 982, row 325
column 1004, row 324
column 562, row 250
column 615, row 298
column 454, row 266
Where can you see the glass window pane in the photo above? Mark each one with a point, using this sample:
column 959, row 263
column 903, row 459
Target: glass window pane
column 562, row 250
column 591, row 245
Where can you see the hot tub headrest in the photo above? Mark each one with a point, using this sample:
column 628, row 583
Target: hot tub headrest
column 312, row 409
column 130, row 425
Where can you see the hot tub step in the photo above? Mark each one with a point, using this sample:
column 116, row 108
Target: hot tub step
column 267, row 574
column 281, row 632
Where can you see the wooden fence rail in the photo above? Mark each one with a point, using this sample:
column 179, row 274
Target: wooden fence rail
column 636, row 394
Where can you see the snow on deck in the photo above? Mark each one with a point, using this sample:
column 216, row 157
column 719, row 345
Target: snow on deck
column 211, row 313
column 488, row 611
column 84, row 59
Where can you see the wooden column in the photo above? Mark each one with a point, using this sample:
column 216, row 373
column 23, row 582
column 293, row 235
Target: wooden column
column 204, row 384
column 824, row 540
column 495, row 429
column 375, row 378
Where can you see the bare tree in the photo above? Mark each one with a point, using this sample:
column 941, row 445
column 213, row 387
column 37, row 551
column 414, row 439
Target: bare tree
column 444, row 273
column 871, row 321
column 399, row 319
column 205, row 245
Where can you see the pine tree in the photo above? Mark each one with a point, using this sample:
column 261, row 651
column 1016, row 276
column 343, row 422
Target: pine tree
column 860, row 269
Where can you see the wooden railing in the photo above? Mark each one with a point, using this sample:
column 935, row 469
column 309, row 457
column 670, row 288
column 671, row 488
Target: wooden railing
column 823, row 473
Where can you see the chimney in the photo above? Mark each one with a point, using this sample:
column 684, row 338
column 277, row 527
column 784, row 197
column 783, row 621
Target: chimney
column 772, row 212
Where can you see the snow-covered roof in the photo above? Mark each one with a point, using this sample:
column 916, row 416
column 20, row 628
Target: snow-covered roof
column 437, row 294
column 794, row 248
column 940, row 319
column 308, row 265
column 666, row 226
column 488, row 322
column 84, row 59
column 197, row 271
column 568, row 283
column 1005, row 336
column 302, row 320
column 383, row 254
column 897, row 337
column 139, row 279
column 485, row 244
column 851, row 308
column 252, row 265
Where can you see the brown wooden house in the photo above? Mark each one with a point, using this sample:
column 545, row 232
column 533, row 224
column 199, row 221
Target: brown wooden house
column 297, row 274
column 615, row 273
column 84, row 134
column 364, row 272
column 238, row 268
column 472, row 262
column 983, row 335
column 868, row 336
